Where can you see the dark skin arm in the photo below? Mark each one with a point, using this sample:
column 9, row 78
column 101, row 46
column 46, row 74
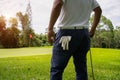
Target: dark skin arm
column 57, row 5
column 97, row 15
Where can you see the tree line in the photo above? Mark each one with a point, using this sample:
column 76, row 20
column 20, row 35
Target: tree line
column 11, row 36
column 106, row 36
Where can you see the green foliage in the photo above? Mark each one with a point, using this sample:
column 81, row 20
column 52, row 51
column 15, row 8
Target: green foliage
column 43, row 38
column 26, row 28
column 13, row 37
column 10, row 37
column 117, row 38
column 106, row 35
column 36, row 41
column 39, row 40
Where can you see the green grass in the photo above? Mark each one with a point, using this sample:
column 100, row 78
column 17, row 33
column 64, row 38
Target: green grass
column 24, row 51
column 29, row 64
column 106, row 64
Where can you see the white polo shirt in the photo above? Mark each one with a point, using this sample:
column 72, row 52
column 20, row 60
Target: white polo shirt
column 76, row 12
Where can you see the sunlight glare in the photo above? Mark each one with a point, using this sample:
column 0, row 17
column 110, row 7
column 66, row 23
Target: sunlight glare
column 7, row 17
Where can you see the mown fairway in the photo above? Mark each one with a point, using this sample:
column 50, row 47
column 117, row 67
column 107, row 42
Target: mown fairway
column 31, row 64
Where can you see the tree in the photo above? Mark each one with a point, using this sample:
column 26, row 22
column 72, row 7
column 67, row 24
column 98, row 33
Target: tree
column 117, row 37
column 14, row 22
column 108, row 23
column 2, row 27
column 10, row 36
column 104, row 33
column 26, row 29
column 2, row 23
column 15, row 30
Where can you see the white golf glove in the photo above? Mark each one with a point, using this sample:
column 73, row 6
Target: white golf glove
column 65, row 42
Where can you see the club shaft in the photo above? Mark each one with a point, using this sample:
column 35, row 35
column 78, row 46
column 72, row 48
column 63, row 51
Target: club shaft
column 91, row 65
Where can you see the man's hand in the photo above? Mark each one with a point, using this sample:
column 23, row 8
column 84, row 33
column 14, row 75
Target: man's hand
column 51, row 36
column 57, row 5
column 92, row 33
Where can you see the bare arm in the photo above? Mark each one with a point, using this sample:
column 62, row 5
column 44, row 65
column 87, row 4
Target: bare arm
column 57, row 5
column 97, row 15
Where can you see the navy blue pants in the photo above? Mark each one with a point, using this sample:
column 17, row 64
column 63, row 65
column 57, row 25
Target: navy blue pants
column 78, row 48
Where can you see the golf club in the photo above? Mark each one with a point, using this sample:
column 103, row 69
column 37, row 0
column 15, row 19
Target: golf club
column 91, row 65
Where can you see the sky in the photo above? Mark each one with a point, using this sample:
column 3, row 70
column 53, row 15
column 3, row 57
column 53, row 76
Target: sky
column 41, row 10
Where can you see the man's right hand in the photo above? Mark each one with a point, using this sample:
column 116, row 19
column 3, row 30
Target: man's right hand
column 51, row 36
column 91, row 33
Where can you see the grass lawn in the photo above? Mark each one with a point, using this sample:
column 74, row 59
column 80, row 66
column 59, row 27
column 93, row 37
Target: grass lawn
column 24, row 51
column 31, row 64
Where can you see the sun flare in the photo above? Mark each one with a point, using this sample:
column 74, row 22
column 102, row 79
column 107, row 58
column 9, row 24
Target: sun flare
column 7, row 16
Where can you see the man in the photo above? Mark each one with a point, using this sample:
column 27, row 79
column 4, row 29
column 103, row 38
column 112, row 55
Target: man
column 73, row 37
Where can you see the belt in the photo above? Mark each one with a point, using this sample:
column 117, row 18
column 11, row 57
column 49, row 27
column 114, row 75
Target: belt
column 74, row 27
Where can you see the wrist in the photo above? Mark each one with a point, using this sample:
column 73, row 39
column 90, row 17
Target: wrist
column 50, row 28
